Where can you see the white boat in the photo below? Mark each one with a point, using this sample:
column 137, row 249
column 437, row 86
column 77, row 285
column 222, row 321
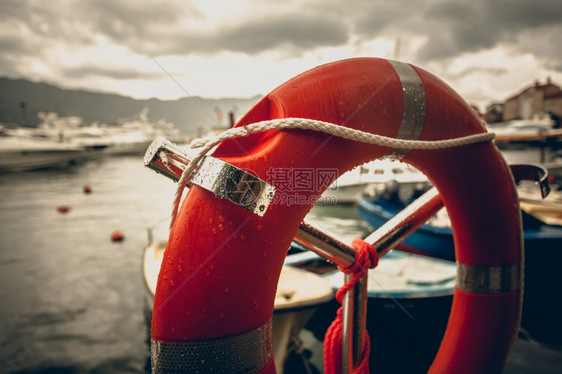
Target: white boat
column 369, row 178
column 131, row 137
column 126, row 141
column 70, row 130
column 299, row 294
column 18, row 153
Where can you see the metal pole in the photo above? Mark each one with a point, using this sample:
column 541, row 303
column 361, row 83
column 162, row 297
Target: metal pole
column 354, row 322
column 348, row 328
column 405, row 222
column 315, row 240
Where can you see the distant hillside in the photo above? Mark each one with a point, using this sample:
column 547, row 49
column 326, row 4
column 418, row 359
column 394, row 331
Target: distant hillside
column 188, row 114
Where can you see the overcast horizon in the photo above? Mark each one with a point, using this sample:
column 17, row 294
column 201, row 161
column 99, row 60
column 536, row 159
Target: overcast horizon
column 486, row 50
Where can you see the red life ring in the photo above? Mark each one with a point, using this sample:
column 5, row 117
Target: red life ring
column 218, row 279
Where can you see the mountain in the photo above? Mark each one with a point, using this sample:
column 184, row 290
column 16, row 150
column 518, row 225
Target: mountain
column 22, row 100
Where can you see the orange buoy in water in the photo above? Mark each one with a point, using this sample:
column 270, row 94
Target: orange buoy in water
column 63, row 208
column 87, row 189
column 117, row 236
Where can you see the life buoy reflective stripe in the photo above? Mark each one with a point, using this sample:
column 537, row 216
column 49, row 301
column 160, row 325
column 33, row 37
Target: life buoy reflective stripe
column 222, row 262
column 247, row 353
column 413, row 104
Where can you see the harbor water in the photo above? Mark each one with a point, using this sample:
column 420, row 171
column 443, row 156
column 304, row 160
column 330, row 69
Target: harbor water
column 72, row 299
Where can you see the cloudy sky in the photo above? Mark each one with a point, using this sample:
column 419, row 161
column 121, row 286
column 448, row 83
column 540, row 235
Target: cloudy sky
column 167, row 49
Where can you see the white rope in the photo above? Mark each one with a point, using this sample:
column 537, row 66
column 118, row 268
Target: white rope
column 207, row 143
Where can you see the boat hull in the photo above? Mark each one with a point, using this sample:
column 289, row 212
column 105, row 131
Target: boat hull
column 543, row 254
column 349, row 194
column 21, row 155
column 427, row 240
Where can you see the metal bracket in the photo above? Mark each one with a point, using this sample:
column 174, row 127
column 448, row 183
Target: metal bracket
column 165, row 158
column 217, row 176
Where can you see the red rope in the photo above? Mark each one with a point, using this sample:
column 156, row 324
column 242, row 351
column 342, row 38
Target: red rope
column 365, row 257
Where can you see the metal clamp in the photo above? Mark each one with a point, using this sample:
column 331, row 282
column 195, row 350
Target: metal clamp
column 166, row 158
column 236, row 185
column 217, row 176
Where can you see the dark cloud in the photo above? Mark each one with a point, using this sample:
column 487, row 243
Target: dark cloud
column 460, row 26
column 14, row 9
column 295, row 32
column 158, row 27
column 133, row 23
column 471, row 26
column 12, row 45
column 29, row 29
column 383, row 18
column 169, row 32
column 544, row 44
column 53, row 21
column 525, row 14
column 302, row 32
column 33, row 29
column 126, row 23
column 164, row 27
column 170, row 27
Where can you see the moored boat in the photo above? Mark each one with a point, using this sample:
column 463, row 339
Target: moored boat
column 299, row 294
column 539, row 129
column 366, row 179
column 543, row 244
column 130, row 137
column 19, row 153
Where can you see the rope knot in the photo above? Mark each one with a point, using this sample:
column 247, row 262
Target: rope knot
column 366, row 257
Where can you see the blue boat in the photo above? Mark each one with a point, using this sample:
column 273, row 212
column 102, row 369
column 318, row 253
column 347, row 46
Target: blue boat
column 543, row 254
column 437, row 241
column 429, row 240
